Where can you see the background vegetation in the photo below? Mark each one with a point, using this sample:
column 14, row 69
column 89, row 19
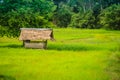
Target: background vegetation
column 93, row 14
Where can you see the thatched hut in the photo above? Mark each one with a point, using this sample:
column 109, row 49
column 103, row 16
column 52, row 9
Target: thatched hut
column 35, row 37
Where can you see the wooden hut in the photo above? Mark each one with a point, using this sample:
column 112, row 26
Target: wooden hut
column 36, row 37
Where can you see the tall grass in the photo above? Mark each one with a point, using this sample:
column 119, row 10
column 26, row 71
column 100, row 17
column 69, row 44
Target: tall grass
column 74, row 55
column 114, row 64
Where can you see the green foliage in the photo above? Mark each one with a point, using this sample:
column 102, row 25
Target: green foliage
column 18, row 14
column 86, row 20
column 85, row 13
column 2, row 31
column 63, row 16
column 110, row 17
column 44, row 7
column 15, row 14
column 17, row 19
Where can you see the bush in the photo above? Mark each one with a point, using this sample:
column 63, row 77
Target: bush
column 86, row 20
column 16, row 14
column 110, row 17
column 15, row 20
column 2, row 31
column 62, row 17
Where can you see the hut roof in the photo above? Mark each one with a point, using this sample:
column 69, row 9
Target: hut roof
column 36, row 34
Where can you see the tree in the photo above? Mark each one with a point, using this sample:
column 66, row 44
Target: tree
column 63, row 16
column 110, row 17
column 16, row 14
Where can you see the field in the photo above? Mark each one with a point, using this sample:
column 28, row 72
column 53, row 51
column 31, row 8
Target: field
column 74, row 55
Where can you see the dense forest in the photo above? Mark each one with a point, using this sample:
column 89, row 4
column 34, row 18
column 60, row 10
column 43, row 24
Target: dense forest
column 92, row 14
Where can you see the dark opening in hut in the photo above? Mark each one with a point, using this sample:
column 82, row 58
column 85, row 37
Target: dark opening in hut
column 36, row 37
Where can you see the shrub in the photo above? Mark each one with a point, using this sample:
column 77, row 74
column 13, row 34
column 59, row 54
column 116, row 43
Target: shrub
column 62, row 17
column 15, row 20
column 86, row 20
column 110, row 17
column 2, row 31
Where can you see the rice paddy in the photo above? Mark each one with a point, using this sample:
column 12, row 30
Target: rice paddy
column 74, row 55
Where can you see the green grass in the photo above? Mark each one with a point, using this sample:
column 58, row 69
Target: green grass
column 75, row 55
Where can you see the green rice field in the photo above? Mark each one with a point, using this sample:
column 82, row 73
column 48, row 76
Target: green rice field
column 76, row 54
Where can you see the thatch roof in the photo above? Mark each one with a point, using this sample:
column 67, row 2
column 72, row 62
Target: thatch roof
column 36, row 34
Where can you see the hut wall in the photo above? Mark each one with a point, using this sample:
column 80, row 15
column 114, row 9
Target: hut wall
column 40, row 45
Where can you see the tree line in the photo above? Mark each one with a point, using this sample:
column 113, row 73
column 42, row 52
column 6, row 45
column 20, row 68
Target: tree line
column 16, row 14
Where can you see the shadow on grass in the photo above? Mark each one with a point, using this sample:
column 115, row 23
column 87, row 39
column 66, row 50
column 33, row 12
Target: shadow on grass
column 73, row 48
column 4, row 77
column 57, row 47
column 11, row 46
column 63, row 47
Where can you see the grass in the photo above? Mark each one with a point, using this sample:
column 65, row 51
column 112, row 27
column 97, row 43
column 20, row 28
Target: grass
column 75, row 55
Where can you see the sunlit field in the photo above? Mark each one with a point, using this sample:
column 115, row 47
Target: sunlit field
column 74, row 55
